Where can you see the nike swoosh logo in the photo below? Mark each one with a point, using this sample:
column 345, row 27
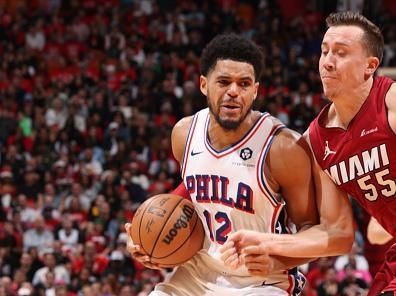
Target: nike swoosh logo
column 195, row 153
column 270, row 284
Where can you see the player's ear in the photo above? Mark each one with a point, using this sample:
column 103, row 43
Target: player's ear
column 372, row 65
column 256, row 86
column 203, row 85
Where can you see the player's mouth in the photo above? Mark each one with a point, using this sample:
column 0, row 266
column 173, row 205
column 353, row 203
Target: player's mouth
column 230, row 106
column 230, row 109
column 327, row 77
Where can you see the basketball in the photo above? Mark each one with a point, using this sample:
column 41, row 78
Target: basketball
column 168, row 229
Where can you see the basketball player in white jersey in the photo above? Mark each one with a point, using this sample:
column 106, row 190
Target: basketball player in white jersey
column 243, row 170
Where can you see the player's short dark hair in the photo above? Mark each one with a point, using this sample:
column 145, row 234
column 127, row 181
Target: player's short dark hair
column 373, row 39
column 231, row 47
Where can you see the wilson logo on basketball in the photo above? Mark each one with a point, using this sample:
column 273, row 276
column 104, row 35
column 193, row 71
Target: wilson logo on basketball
column 181, row 222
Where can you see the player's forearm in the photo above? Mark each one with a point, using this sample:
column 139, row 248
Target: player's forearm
column 283, row 263
column 317, row 241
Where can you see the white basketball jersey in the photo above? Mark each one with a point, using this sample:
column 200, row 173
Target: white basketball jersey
column 230, row 192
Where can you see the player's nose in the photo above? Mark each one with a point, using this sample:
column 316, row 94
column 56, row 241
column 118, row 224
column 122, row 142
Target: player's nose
column 233, row 89
column 329, row 62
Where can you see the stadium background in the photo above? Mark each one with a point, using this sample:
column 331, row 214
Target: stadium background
column 89, row 92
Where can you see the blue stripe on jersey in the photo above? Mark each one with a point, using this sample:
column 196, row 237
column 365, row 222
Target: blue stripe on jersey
column 281, row 222
column 262, row 181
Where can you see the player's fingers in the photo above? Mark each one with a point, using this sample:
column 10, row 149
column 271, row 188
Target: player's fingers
column 255, row 249
column 266, row 266
column 232, row 260
column 258, row 265
column 235, row 237
column 127, row 227
column 257, row 258
column 229, row 255
column 227, row 246
column 227, row 250
column 149, row 264
column 132, row 248
column 258, row 272
column 153, row 266
column 139, row 256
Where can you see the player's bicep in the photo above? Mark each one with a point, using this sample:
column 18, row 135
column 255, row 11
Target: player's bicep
column 298, row 192
column 291, row 169
column 333, row 203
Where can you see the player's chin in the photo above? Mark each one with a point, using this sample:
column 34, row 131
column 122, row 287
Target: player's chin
column 229, row 124
column 329, row 91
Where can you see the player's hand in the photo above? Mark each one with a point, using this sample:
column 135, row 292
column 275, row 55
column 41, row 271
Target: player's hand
column 137, row 253
column 244, row 238
column 257, row 260
column 230, row 255
column 249, row 248
column 253, row 257
column 231, row 250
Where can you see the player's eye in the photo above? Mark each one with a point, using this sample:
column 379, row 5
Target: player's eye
column 223, row 82
column 244, row 83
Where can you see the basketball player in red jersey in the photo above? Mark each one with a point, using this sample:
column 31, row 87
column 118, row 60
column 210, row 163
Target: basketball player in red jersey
column 359, row 126
column 353, row 139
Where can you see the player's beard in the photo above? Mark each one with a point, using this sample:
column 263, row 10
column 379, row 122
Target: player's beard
column 227, row 124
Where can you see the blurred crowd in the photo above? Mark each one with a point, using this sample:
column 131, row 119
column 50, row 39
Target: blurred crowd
column 89, row 93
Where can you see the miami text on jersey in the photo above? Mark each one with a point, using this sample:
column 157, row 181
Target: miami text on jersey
column 360, row 164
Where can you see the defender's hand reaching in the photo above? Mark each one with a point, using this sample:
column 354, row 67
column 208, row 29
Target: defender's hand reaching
column 248, row 248
column 257, row 261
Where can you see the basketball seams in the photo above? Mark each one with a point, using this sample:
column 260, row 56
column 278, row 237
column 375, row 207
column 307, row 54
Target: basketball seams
column 163, row 226
column 140, row 224
column 197, row 219
column 166, row 229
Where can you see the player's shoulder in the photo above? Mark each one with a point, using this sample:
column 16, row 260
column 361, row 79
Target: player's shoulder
column 182, row 126
column 289, row 150
column 390, row 101
column 285, row 138
column 391, row 98
column 179, row 136
column 287, row 145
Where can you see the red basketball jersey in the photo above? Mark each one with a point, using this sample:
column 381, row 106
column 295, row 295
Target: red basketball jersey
column 362, row 159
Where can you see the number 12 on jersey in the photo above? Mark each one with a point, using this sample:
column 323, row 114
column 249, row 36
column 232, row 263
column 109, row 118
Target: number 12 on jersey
column 219, row 226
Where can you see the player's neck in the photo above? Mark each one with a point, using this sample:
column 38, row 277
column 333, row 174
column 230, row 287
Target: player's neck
column 345, row 108
column 221, row 138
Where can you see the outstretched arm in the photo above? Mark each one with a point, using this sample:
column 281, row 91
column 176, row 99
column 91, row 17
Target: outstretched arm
column 332, row 234
column 288, row 172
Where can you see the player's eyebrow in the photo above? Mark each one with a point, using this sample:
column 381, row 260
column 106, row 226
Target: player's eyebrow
column 338, row 43
column 244, row 78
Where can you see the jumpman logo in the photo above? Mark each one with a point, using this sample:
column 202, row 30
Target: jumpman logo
column 327, row 151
